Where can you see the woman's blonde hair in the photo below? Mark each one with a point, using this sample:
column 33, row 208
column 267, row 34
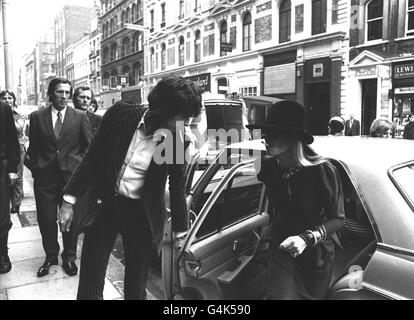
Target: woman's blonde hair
column 306, row 156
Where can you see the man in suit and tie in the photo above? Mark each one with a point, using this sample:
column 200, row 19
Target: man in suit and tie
column 124, row 181
column 82, row 100
column 59, row 138
column 352, row 126
column 9, row 160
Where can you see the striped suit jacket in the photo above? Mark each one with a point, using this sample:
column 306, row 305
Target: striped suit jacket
column 97, row 173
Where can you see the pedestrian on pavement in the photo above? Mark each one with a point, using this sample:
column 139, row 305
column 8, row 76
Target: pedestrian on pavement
column 382, row 128
column 58, row 139
column 9, row 161
column 305, row 191
column 16, row 192
column 124, row 182
column 336, row 126
column 409, row 128
column 352, row 126
column 82, row 100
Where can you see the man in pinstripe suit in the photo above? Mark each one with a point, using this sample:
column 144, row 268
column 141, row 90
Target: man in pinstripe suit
column 125, row 186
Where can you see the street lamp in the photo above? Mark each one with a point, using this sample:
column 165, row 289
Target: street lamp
column 145, row 31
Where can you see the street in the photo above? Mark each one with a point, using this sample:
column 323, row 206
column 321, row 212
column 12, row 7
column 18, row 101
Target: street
column 27, row 254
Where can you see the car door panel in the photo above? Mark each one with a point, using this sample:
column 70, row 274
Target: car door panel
column 222, row 258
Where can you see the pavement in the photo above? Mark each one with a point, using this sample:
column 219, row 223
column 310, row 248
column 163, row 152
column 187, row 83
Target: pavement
column 27, row 255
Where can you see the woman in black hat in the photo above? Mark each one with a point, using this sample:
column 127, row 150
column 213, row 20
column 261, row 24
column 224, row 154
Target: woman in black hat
column 305, row 193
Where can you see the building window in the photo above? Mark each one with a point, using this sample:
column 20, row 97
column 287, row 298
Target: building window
column 223, row 37
column 196, row 5
column 248, row 91
column 233, row 36
column 410, row 18
column 181, row 9
column 114, row 49
column 197, row 46
column 139, row 9
column 163, row 56
column 126, row 47
column 318, row 16
column 162, row 15
column 152, row 18
column 284, row 21
column 247, row 31
column 111, row 27
column 122, row 19
column 299, row 18
column 127, row 15
column 181, row 50
column 374, row 11
column 152, row 60
column 115, row 23
column 208, row 45
column 140, row 44
column 335, row 11
column 133, row 12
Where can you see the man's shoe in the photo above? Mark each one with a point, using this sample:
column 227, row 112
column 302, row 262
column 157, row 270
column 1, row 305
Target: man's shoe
column 44, row 269
column 5, row 265
column 15, row 209
column 70, row 268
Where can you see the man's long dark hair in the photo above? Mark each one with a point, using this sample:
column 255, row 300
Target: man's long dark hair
column 173, row 95
column 53, row 84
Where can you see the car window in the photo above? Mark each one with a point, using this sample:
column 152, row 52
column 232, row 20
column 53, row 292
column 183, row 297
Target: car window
column 404, row 176
column 239, row 199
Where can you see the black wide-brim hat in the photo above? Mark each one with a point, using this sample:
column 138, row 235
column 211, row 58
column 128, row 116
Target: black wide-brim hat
column 286, row 116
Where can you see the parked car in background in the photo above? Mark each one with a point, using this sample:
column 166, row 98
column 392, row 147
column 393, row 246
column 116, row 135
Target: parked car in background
column 220, row 258
column 222, row 122
column 258, row 107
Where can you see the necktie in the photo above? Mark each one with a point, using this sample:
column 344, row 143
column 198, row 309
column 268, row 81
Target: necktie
column 58, row 125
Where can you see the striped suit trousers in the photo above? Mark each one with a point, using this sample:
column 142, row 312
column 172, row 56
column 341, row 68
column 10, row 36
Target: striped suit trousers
column 127, row 217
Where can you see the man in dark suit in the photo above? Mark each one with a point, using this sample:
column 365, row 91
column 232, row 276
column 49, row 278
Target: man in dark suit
column 82, row 100
column 9, row 160
column 59, row 137
column 124, row 178
column 352, row 126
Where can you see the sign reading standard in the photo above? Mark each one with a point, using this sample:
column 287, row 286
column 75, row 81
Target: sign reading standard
column 404, row 71
column 203, row 81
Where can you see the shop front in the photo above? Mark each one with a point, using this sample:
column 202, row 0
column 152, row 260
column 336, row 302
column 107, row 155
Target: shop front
column 403, row 90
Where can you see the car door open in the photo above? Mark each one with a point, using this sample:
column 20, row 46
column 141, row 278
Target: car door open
column 217, row 260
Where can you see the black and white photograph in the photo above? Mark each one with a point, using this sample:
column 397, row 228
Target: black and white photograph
column 233, row 151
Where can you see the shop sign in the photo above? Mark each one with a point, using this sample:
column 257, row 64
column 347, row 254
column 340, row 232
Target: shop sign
column 318, row 70
column 203, row 81
column 366, row 71
column 406, row 90
column 226, row 47
column 404, row 71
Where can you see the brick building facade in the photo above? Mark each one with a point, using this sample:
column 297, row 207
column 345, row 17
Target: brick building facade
column 122, row 51
column 381, row 70
column 292, row 49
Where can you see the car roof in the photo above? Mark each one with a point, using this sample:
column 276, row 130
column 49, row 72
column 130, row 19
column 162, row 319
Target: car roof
column 368, row 161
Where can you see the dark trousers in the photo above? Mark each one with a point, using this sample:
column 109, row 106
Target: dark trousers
column 127, row 217
column 16, row 190
column 48, row 198
column 5, row 222
column 291, row 278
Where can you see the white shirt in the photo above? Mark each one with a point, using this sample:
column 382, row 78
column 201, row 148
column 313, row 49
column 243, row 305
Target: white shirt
column 136, row 163
column 55, row 115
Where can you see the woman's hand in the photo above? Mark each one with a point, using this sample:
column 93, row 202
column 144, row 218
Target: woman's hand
column 294, row 245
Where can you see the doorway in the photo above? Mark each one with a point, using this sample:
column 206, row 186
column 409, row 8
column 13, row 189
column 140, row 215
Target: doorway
column 369, row 104
column 318, row 102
